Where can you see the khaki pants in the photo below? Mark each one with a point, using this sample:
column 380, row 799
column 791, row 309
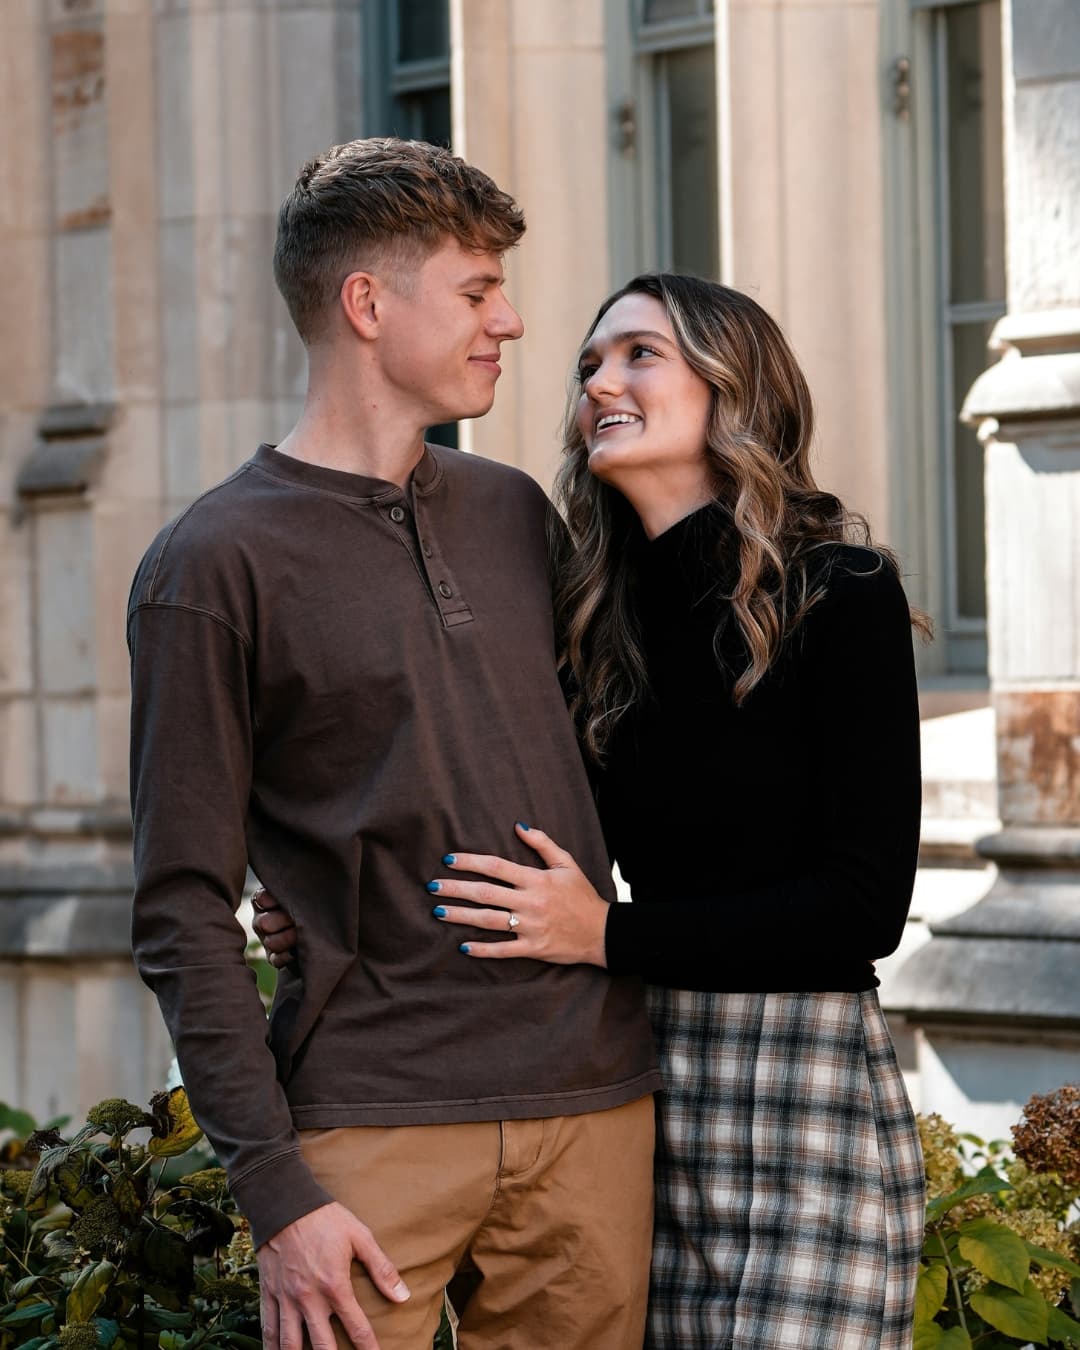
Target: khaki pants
column 552, row 1220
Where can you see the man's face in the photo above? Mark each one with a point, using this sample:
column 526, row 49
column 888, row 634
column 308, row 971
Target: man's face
column 440, row 337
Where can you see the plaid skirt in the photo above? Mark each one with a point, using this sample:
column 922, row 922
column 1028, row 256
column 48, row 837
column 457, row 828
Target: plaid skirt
column 789, row 1179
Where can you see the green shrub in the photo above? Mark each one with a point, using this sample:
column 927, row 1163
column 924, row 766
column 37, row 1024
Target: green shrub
column 108, row 1242
column 1000, row 1259
column 105, row 1242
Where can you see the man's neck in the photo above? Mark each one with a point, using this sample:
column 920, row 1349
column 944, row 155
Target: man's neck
column 356, row 435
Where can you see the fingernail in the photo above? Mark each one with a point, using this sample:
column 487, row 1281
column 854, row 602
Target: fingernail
column 464, row 948
column 439, row 911
column 450, row 859
column 521, row 825
column 400, row 1291
column 433, row 886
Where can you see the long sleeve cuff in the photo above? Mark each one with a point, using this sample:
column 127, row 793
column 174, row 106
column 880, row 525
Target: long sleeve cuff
column 276, row 1194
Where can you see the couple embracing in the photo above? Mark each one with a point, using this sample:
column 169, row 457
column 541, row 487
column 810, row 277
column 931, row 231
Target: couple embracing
column 351, row 664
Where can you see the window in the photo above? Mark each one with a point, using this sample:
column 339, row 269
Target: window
column 410, row 71
column 675, row 41
column 409, row 87
column 665, row 168
column 963, row 43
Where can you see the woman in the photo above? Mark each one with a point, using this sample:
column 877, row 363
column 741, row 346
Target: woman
column 743, row 682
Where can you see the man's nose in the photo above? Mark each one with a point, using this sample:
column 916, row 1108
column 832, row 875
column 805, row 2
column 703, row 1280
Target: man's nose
column 506, row 323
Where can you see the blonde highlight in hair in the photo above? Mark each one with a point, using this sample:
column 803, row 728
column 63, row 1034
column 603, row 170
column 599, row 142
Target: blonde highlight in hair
column 772, row 515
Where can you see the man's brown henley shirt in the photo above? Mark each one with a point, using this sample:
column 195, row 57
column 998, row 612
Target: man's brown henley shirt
column 339, row 681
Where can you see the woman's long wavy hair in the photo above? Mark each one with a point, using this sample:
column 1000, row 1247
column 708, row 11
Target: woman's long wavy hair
column 773, row 517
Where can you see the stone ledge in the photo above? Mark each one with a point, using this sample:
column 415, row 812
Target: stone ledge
column 63, row 927
column 986, row 980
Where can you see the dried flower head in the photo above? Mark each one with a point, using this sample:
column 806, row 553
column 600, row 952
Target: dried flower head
column 229, row 1293
column 1048, row 1136
column 117, row 1116
column 98, row 1226
column 207, row 1185
column 241, row 1252
column 14, row 1183
column 78, row 1336
column 941, row 1155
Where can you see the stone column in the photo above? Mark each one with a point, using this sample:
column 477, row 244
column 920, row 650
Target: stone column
column 996, row 991
column 144, row 148
column 529, row 108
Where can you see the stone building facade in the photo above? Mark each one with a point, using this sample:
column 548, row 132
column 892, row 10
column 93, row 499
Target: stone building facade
column 842, row 160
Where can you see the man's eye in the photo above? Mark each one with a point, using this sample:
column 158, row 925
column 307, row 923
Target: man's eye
column 476, row 299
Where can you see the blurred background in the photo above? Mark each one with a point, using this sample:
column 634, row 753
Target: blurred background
column 897, row 181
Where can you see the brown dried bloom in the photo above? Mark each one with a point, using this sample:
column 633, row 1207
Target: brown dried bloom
column 1048, row 1136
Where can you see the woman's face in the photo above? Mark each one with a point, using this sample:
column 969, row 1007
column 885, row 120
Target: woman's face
column 642, row 406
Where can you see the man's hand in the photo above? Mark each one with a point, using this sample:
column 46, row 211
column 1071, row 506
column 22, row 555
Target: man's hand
column 304, row 1277
column 274, row 928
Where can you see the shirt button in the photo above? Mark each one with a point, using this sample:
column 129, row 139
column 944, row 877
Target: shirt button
column 426, row 547
column 445, row 591
column 397, row 514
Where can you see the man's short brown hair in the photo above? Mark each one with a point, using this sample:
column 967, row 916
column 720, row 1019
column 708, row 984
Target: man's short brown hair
column 386, row 203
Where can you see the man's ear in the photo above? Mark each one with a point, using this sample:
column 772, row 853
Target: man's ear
column 362, row 303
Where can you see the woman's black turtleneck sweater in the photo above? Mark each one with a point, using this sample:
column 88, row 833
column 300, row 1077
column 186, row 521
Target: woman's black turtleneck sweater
column 768, row 847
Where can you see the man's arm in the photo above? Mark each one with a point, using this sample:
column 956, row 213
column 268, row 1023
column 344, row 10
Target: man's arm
column 191, row 770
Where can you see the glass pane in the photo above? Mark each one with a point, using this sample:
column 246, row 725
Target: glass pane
column 423, row 29
column 970, row 359
column 656, row 11
column 692, row 154
column 423, row 116
column 446, row 433
column 975, row 166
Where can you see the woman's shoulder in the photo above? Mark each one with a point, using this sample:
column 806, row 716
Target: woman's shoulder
column 860, row 598
column 853, row 574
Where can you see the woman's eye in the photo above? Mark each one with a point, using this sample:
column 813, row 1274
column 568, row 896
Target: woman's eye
column 585, row 373
column 641, row 350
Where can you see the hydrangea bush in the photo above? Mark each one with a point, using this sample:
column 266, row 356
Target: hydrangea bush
column 1000, row 1261
column 107, row 1242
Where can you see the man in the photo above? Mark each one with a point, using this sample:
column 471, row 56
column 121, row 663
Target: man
column 342, row 659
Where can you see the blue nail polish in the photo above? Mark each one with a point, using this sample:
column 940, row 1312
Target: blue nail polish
column 521, row 825
column 439, row 911
column 433, row 886
column 464, row 948
column 450, row 859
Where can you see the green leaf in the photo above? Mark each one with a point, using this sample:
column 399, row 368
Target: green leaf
column 171, row 1340
column 1061, row 1327
column 22, row 1287
column 108, row 1332
column 930, row 1291
column 984, row 1182
column 19, row 1123
column 927, row 1336
column 1043, row 1256
column 89, row 1291
column 22, row 1317
column 1024, row 1315
column 996, row 1252
column 956, row 1338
